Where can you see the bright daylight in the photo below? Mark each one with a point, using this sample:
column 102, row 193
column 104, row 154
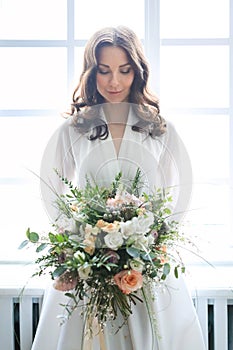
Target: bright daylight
column 116, row 179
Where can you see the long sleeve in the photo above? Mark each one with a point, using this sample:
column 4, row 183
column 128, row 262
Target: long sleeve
column 57, row 155
column 176, row 171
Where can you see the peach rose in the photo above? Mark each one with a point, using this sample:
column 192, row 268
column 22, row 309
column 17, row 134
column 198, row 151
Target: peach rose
column 128, row 281
column 163, row 248
column 89, row 245
column 101, row 223
column 111, row 227
column 163, row 258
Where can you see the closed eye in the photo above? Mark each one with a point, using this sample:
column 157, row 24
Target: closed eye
column 101, row 71
column 104, row 69
column 126, row 71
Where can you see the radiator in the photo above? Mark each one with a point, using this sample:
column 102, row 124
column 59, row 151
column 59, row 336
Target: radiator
column 19, row 317
column 215, row 313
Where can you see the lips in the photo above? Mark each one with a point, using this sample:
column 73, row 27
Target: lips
column 114, row 92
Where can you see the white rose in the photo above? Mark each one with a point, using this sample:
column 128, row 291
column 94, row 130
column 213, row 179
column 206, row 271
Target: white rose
column 144, row 222
column 80, row 255
column 66, row 224
column 84, row 272
column 75, row 238
column 127, row 228
column 88, row 229
column 140, row 242
column 151, row 240
column 95, row 231
column 114, row 240
column 136, row 264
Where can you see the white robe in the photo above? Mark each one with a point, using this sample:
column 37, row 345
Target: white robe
column 163, row 162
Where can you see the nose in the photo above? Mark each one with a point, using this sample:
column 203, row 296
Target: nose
column 114, row 79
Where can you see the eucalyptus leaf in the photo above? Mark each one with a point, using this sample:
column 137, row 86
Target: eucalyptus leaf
column 152, row 255
column 163, row 277
column 146, row 256
column 28, row 232
column 153, row 274
column 70, row 295
column 166, row 269
column 134, row 252
column 41, row 247
column 176, row 273
column 58, row 271
column 33, row 237
column 23, row 244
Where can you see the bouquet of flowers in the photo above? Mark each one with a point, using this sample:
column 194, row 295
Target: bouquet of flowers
column 119, row 242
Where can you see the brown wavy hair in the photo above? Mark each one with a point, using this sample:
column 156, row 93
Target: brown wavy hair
column 146, row 104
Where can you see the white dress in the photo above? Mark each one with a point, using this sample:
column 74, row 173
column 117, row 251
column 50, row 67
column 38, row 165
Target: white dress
column 163, row 161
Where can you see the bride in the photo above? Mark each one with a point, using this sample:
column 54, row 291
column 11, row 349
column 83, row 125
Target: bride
column 115, row 125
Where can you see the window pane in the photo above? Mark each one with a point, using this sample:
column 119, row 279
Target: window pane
column 32, row 78
column 208, row 220
column 37, row 19
column 103, row 13
column 206, row 138
column 195, row 76
column 21, row 207
column 79, row 51
column 22, row 141
column 194, row 18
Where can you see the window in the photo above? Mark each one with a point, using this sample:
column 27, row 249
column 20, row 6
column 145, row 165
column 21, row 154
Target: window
column 195, row 69
column 41, row 51
column 41, row 47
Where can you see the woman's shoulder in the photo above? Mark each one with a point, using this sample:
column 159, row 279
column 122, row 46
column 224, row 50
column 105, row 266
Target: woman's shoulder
column 66, row 132
column 68, row 125
column 171, row 137
column 170, row 128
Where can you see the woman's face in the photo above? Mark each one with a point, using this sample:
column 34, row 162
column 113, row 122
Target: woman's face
column 115, row 74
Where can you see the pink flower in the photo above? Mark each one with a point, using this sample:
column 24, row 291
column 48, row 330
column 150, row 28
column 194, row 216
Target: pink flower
column 66, row 281
column 155, row 234
column 113, row 257
column 123, row 198
column 128, row 281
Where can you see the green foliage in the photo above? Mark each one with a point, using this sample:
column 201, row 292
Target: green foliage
column 23, row 244
column 166, row 270
column 86, row 256
column 33, row 237
column 41, row 247
column 136, row 183
column 134, row 252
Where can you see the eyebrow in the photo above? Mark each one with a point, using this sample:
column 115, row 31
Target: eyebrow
column 121, row 66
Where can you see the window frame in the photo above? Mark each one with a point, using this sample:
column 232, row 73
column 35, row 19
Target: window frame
column 152, row 44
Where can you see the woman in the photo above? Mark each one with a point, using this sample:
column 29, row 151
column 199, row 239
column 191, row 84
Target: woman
column 115, row 126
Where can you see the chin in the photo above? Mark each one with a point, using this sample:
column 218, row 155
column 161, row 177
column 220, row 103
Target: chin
column 117, row 99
